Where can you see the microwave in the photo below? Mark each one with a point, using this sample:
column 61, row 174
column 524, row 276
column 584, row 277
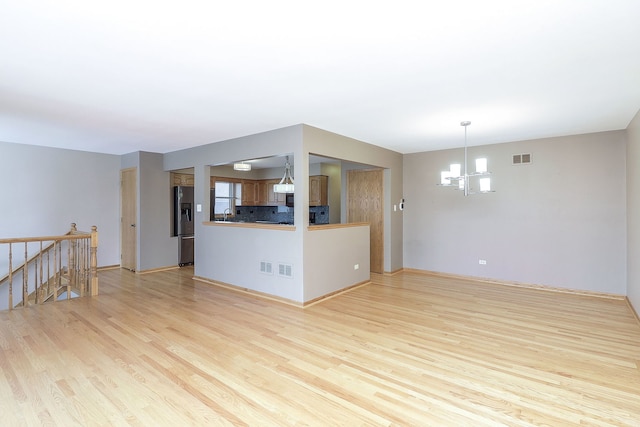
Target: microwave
column 289, row 199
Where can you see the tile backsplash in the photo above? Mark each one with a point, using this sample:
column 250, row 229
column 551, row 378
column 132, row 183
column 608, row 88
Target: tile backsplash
column 281, row 214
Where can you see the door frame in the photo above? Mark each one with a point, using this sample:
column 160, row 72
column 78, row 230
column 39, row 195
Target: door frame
column 128, row 219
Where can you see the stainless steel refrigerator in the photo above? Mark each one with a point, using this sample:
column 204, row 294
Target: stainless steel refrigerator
column 183, row 222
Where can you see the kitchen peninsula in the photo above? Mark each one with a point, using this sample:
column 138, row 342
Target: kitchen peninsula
column 296, row 262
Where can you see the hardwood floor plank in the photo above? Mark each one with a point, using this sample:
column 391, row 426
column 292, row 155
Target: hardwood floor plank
column 408, row 349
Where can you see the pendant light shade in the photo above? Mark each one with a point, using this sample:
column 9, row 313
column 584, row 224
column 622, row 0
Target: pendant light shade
column 242, row 166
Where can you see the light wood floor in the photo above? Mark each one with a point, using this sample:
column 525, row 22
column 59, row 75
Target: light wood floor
column 161, row 349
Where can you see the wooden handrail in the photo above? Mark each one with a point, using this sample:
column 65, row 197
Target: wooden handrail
column 46, row 238
column 72, row 232
column 81, row 273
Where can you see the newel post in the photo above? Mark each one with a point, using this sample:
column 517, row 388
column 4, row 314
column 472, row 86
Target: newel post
column 94, row 260
column 73, row 245
column 10, row 277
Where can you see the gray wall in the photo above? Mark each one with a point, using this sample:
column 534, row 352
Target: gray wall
column 633, row 212
column 157, row 247
column 46, row 189
column 334, row 192
column 560, row 221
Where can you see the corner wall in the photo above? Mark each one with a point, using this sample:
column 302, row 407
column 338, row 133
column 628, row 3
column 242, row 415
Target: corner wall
column 233, row 255
column 559, row 221
column 329, row 144
column 633, row 212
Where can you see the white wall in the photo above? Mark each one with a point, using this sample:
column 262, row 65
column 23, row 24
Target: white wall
column 46, row 189
column 633, row 212
column 560, row 221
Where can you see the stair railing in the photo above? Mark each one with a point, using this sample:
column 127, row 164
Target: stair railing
column 46, row 275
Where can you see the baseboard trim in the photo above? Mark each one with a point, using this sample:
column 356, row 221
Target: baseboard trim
column 248, row 291
column 393, row 273
column 633, row 310
column 335, row 293
column 282, row 300
column 108, row 267
column 155, row 270
column 518, row 284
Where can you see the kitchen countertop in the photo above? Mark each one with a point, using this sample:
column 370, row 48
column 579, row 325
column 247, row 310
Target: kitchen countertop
column 269, row 225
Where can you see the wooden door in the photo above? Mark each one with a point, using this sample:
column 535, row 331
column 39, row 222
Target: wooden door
column 364, row 204
column 128, row 234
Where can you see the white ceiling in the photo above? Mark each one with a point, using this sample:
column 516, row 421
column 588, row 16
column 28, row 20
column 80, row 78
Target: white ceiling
column 125, row 75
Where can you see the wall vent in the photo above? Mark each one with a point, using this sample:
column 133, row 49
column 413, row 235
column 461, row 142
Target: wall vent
column 266, row 267
column 285, row 270
column 522, row 159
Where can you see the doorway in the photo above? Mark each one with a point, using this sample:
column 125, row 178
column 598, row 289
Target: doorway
column 365, row 204
column 128, row 234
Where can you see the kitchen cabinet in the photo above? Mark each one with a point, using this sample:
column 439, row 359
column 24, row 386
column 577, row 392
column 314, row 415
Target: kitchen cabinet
column 318, row 190
column 261, row 193
column 273, row 198
column 249, row 192
column 182, row 179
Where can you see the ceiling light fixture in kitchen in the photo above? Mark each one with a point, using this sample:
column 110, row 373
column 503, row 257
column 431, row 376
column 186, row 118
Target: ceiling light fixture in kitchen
column 286, row 183
column 453, row 178
column 242, row 166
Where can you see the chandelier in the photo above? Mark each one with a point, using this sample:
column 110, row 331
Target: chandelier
column 459, row 178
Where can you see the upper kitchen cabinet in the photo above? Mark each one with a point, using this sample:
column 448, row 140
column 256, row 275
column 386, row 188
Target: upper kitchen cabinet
column 273, row 198
column 249, row 192
column 182, row 179
column 254, row 192
column 318, row 190
column 261, row 193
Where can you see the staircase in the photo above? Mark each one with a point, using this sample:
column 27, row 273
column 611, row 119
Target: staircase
column 49, row 268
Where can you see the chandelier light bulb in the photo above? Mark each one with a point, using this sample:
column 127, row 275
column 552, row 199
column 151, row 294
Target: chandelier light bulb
column 481, row 165
column 445, row 177
column 485, row 185
column 455, row 170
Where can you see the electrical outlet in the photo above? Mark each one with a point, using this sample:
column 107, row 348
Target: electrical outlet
column 482, row 261
column 356, row 266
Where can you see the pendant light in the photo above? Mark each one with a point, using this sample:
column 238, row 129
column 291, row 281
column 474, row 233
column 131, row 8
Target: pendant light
column 242, row 166
column 286, row 183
